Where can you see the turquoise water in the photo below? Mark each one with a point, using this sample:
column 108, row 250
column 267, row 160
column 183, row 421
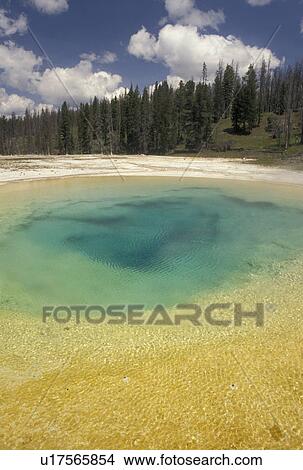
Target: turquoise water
column 101, row 241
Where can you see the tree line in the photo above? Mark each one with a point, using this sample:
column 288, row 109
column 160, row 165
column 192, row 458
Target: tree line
column 162, row 119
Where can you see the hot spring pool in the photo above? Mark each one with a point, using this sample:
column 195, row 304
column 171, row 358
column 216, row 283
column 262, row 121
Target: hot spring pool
column 149, row 241
column 143, row 241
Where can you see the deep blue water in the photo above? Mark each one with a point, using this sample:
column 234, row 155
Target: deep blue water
column 87, row 243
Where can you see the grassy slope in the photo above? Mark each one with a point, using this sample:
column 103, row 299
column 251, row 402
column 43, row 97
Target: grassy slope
column 259, row 139
column 259, row 145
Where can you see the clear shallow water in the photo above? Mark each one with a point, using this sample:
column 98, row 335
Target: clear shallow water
column 144, row 241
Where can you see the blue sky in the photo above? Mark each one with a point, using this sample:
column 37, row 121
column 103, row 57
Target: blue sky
column 101, row 46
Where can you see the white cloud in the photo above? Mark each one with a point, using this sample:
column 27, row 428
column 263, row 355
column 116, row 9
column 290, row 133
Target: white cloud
column 107, row 58
column 179, row 8
column 18, row 67
column 258, row 3
column 81, row 81
column 9, row 26
column 143, row 45
column 17, row 104
column 21, row 69
column 38, row 107
column 173, row 80
column 50, row 7
column 185, row 12
column 91, row 56
column 13, row 103
column 183, row 50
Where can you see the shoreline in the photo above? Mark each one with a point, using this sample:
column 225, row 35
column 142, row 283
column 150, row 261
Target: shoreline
column 32, row 168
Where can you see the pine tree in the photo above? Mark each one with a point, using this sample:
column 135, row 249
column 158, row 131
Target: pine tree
column 116, row 124
column 250, row 91
column 262, row 91
column 145, row 121
column 204, row 74
column 228, row 88
column 123, row 126
column 189, row 121
column 133, row 120
column 238, row 108
column 218, row 94
column 202, row 115
column 96, row 144
column 84, row 129
column 180, row 115
column 65, row 136
column 46, row 145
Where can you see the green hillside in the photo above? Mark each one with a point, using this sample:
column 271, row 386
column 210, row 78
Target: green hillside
column 260, row 139
column 260, row 144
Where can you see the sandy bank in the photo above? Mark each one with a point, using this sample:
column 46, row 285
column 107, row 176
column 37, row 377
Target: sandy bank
column 23, row 168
